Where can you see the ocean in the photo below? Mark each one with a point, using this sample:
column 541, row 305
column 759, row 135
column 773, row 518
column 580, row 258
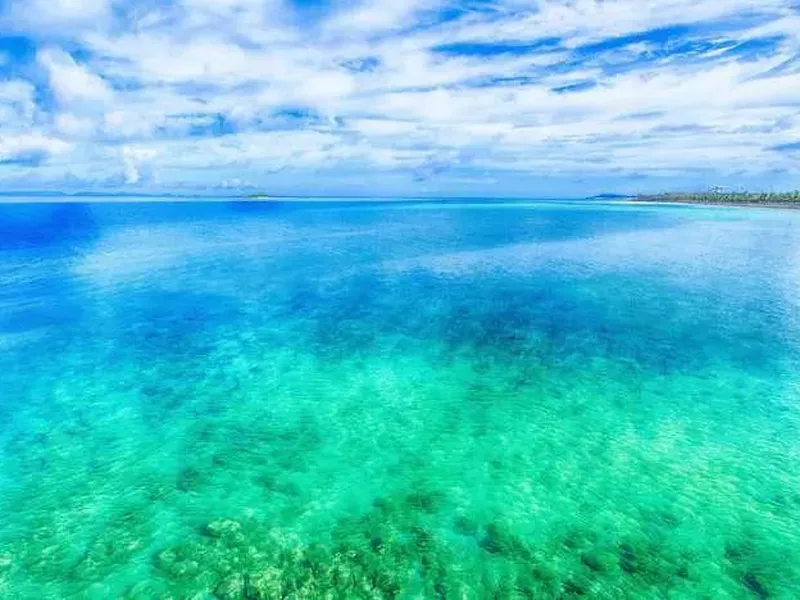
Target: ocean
column 416, row 399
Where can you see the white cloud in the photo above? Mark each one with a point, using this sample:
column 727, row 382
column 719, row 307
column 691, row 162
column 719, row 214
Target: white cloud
column 56, row 17
column 72, row 83
column 369, row 91
column 582, row 21
column 70, row 125
column 370, row 17
column 21, row 146
column 134, row 158
column 127, row 123
column 17, row 105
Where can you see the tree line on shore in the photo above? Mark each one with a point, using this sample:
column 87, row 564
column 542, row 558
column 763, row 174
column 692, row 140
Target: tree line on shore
column 723, row 197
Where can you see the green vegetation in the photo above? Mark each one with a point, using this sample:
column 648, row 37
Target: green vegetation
column 769, row 199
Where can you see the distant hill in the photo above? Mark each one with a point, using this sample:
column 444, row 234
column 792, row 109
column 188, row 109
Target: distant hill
column 609, row 197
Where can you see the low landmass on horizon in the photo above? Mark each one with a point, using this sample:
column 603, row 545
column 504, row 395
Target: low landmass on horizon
column 715, row 197
column 763, row 199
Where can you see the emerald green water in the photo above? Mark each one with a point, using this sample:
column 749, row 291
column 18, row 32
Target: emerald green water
column 415, row 400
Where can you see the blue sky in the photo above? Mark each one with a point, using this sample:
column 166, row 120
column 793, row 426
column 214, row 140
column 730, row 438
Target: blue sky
column 421, row 97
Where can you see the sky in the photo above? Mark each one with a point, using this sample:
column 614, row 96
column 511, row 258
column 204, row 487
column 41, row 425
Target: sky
column 525, row 98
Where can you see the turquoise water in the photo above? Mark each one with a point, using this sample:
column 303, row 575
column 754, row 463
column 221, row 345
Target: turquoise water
column 415, row 400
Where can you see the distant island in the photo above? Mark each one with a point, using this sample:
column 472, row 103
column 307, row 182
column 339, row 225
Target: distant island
column 609, row 197
column 760, row 199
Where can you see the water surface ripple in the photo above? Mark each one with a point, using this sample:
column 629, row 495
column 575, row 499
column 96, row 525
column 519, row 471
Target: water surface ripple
column 415, row 400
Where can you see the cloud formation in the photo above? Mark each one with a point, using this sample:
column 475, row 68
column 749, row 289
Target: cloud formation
column 505, row 97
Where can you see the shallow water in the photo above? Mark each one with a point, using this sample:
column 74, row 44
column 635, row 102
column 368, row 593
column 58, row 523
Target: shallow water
column 415, row 400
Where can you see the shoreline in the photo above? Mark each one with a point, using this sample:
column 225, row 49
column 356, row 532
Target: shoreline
column 711, row 201
column 714, row 204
